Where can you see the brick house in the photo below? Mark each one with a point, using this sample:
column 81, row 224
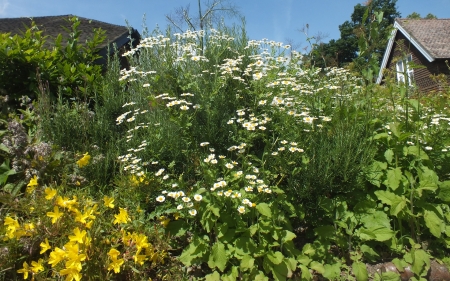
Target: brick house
column 424, row 43
column 54, row 25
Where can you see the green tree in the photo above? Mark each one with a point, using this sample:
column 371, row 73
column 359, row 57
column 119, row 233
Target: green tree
column 345, row 49
column 415, row 15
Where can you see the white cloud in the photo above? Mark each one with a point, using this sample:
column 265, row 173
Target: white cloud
column 3, row 6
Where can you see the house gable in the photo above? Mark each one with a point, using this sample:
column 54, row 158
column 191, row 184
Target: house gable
column 427, row 48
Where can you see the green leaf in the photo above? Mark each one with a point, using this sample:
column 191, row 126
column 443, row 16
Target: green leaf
column 247, row 262
column 444, row 191
column 375, row 171
column 219, row 256
column 389, row 154
column 275, row 257
column 332, row 271
column 232, row 274
column 261, row 277
column 434, row 223
column 385, row 196
column 317, row 266
column 280, row 271
column 308, row 249
column 287, row 236
column 176, row 228
column 306, row 275
column 360, row 271
column 215, row 276
column 383, row 234
column 398, row 203
column 264, row 209
column 303, row 259
column 393, row 178
column 369, row 253
column 390, row 276
column 421, row 262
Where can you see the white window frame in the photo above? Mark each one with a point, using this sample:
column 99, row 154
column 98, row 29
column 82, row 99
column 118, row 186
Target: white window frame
column 402, row 66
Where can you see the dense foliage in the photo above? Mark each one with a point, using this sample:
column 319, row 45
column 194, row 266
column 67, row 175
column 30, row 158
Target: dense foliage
column 344, row 50
column 216, row 157
column 66, row 68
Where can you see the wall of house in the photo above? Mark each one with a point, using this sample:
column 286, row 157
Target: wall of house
column 422, row 75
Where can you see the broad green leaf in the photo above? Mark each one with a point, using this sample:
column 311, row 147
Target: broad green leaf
column 261, row 277
column 280, row 271
column 366, row 234
column 306, row 275
column 365, row 206
column 275, row 257
column 375, row 171
column 287, row 236
column 247, row 262
column 389, row 154
column 393, row 178
column 376, row 220
column 219, row 256
column 383, row 234
column 385, row 196
column 434, row 223
column 232, row 274
column 421, row 262
column 215, row 210
column 394, row 127
column 414, row 103
column 360, row 271
column 400, row 264
column 317, row 266
column 369, row 253
column 308, row 249
column 303, row 259
column 176, row 228
column 398, row 203
column 390, row 276
column 215, row 276
column 444, row 191
column 332, row 271
column 381, row 136
column 264, row 209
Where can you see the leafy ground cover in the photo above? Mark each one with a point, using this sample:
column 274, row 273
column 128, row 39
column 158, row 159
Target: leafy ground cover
column 216, row 157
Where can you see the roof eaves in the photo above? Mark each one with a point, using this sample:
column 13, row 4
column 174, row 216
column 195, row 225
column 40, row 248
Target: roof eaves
column 416, row 44
column 386, row 56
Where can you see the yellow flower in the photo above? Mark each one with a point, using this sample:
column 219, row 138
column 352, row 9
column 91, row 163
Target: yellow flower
column 11, row 224
column 141, row 241
column 115, row 265
column 108, row 201
column 31, row 186
column 140, row 259
column 55, row 215
column 56, row 256
column 79, row 236
column 24, row 270
column 37, row 266
column 122, row 217
column 113, row 253
column 45, row 246
column 89, row 224
column 49, row 193
column 33, row 182
column 84, row 160
column 72, row 274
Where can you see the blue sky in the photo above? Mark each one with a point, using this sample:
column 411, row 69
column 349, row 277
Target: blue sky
column 273, row 19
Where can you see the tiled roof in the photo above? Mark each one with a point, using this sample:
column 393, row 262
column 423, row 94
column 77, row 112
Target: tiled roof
column 432, row 34
column 54, row 25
